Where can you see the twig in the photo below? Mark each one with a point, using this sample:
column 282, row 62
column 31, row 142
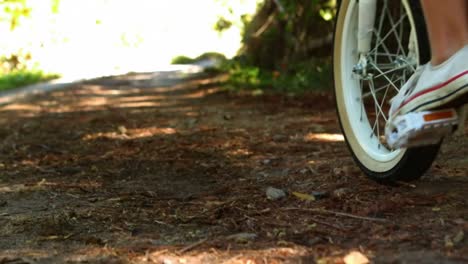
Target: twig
column 192, row 246
column 265, row 26
column 323, row 211
column 280, row 6
column 406, row 184
column 329, row 225
column 162, row 223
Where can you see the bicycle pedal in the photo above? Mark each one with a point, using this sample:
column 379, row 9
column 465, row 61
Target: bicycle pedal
column 420, row 129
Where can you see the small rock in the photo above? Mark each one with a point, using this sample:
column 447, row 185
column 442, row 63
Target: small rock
column 122, row 130
column 227, row 117
column 280, row 138
column 338, row 172
column 355, row 257
column 242, row 237
column 93, row 199
column 458, row 237
column 341, row 192
column 319, row 195
column 190, row 123
column 279, row 173
column 275, row 194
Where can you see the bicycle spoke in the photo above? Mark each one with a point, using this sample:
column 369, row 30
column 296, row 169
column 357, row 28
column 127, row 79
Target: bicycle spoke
column 388, row 34
column 390, row 71
column 395, row 33
column 401, row 25
column 385, row 76
column 401, row 79
column 379, row 106
column 361, row 84
column 379, row 54
column 377, row 110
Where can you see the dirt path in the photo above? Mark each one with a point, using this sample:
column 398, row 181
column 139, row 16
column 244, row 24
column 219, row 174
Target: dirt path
column 133, row 169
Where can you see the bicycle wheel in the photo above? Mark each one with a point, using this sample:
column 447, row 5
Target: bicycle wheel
column 399, row 44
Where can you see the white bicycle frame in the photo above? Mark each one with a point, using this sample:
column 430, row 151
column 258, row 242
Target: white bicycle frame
column 367, row 11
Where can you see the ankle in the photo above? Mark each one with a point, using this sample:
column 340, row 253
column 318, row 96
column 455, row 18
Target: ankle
column 442, row 56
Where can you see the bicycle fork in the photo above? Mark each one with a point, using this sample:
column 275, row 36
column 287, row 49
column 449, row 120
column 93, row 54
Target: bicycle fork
column 366, row 19
column 413, row 129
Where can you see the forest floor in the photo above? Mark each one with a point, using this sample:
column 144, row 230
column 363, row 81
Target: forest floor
column 147, row 169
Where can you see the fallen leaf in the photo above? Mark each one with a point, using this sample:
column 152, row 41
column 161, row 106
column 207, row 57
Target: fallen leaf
column 303, row 196
column 448, row 242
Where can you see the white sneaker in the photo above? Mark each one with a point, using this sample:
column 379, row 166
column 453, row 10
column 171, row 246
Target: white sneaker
column 430, row 88
column 433, row 86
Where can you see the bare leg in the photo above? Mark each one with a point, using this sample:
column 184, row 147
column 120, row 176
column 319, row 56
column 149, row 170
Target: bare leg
column 447, row 23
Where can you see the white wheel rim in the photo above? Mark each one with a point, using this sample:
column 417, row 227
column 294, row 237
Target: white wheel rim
column 365, row 136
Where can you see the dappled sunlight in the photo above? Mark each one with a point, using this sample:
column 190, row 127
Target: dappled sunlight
column 93, row 101
column 201, row 93
column 171, row 254
column 248, row 256
column 21, row 107
column 140, row 104
column 324, row 137
column 94, row 97
column 46, row 184
column 94, row 89
column 133, row 99
column 123, row 133
column 239, row 152
column 13, row 188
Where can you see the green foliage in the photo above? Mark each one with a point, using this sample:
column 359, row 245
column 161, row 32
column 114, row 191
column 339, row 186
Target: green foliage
column 289, row 32
column 13, row 11
column 315, row 74
column 55, row 6
column 243, row 76
column 21, row 78
column 16, row 70
column 182, row 59
column 211, row 56
column 312, row 75
column 286, row 48
column 222, row 24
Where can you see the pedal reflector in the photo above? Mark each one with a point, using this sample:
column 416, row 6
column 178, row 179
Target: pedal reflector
column 439, row 115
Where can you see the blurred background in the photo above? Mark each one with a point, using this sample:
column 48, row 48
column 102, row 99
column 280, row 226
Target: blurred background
column 261, row 43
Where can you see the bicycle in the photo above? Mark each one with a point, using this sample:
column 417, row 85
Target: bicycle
column 378, row 44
